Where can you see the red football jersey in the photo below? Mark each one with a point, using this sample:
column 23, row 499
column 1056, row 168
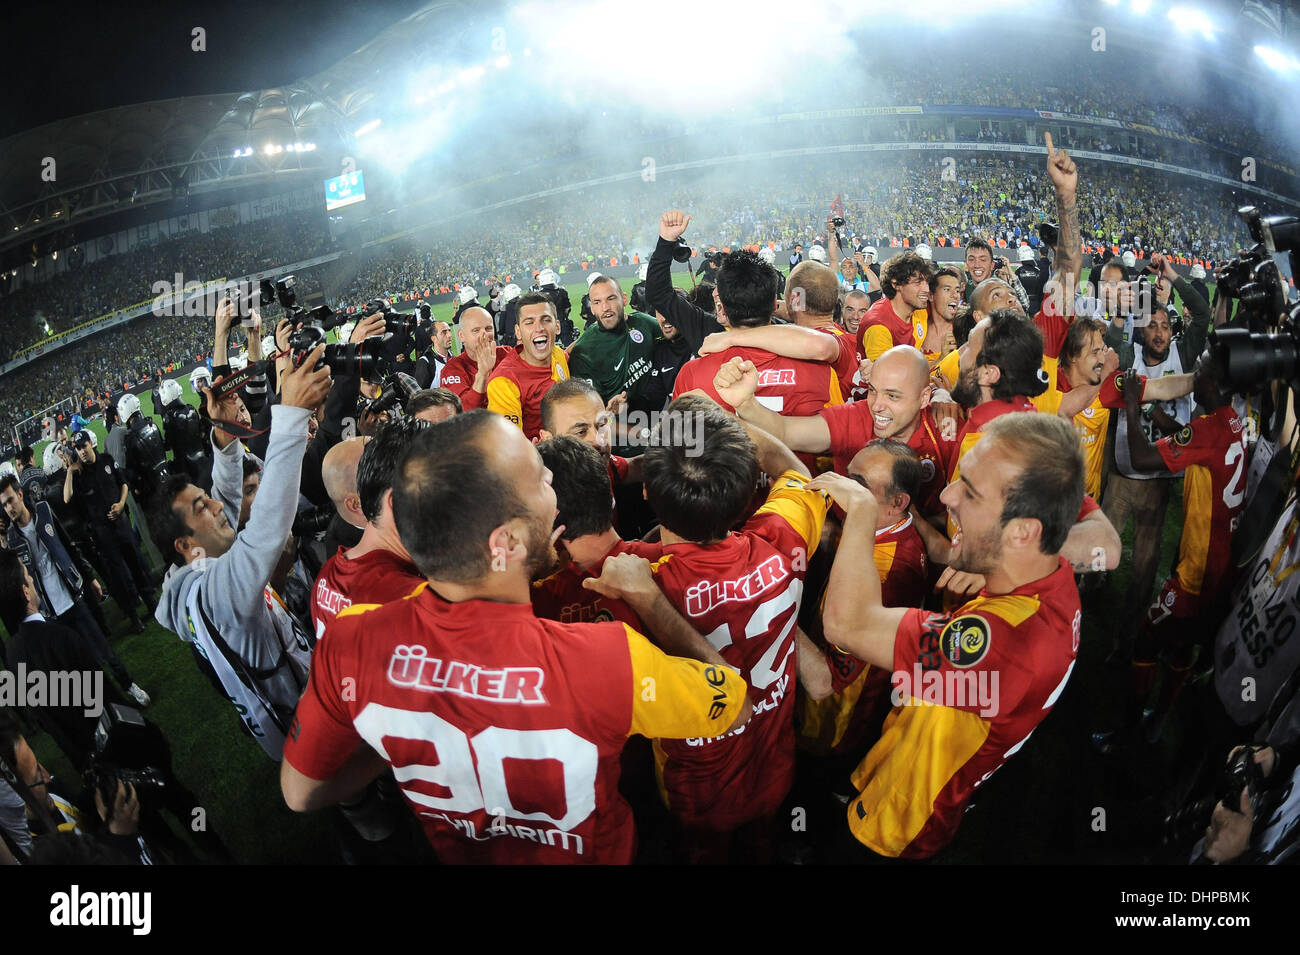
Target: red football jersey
column 846, row 365
column 1054, row 329
column 504, row 731
column 1213, row 452
column 743, row 594
column 458, row 378
column 374, row 578
column 852, row 428
column 788, row 386
column 970, row 687
column 562, row 597
column 516, row 388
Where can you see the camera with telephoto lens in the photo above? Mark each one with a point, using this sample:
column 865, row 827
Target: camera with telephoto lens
column 395, row 323
column 311, row 522
column 394, row 392
column 128, row 749
column 364, row 359
column 1254, row 353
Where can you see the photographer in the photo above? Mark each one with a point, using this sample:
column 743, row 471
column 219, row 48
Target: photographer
column 254, row 391
column 99, row 491
column 216, row 594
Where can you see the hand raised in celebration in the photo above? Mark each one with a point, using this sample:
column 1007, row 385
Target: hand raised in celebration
column 672, row 224
column 1061, row 168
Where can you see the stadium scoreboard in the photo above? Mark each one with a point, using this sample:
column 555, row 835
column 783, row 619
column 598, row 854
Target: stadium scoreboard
column 344, row 190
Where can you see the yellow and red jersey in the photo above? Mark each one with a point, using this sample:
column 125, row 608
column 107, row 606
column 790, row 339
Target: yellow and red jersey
column 562, row 597
column 882, row 329
column 743, row 594
column 846, row 365
column 505, row 731
column 515, row 388
column 1212, row 450
column 973, row 429
column 376, row 577
column 458, row 378
column 971, row 686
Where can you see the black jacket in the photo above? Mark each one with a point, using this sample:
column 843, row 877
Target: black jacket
column 693, row 322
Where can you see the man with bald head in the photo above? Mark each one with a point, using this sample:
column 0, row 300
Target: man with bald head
column 359, row 477
column 811, row 292
column 466, row 376
column 897, row 406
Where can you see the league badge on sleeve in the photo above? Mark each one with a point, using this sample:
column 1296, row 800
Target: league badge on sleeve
column 965, row 640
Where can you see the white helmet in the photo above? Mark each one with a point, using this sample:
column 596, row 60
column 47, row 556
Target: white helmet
column 817, row 253
column 1024, row 254
column 239, row 362
column 641, row 272
column 510, row 293
column 871, row 251
column 200, row 378
column 1129, row 260
column 268, row 345
column 591, row 279
column 51, row 463
column 924, row 252
column 345, row 331
column 547, row 277
column 767, row 255
column 169, row 391
column 127, row 406
column 466, row 295
column 1198, row 272
column 7, row 468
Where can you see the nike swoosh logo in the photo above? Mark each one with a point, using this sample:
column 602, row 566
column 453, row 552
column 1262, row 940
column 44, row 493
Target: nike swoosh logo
column 619, row 365
column 667, row 368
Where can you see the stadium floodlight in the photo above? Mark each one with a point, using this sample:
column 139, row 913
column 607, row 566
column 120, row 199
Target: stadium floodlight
column 1279, row 61
column 1188, row 19
column 470, row 75
column 369, row 127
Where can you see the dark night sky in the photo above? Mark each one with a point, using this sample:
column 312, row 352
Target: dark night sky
column 66, row 59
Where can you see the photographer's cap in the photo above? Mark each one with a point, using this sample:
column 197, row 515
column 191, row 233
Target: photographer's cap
column 592, row 278
column 82, row 438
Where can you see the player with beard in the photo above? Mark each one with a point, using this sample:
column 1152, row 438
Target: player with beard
column 743, row 589
column 466, row 376
column 614, row 351
column 893, row 320
column 897, row 407
column 378, row 569
column 516, row 385
column 988, row 297
column 970, row 685
column 461, row 680
column 1089, row 365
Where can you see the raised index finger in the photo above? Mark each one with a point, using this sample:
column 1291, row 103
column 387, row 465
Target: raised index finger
column 1051, row 150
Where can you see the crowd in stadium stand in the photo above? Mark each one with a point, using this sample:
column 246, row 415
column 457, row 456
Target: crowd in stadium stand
column 70, row 298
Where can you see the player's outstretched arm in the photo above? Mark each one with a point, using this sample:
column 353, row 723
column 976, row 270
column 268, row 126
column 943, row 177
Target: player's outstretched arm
column 736, row 382
column 1141, row 451
column 774, row 458
column 788, row 341
column 853, row 618
column 1093, row 545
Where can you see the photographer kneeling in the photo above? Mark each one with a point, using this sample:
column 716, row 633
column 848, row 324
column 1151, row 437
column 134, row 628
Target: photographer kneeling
column 216, row 596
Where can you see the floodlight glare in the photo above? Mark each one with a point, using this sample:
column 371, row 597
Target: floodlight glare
column 1277, row 59
column 369, row 127
column 1187, row 19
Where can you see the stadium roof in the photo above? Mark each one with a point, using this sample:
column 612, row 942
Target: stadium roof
column 114, row 159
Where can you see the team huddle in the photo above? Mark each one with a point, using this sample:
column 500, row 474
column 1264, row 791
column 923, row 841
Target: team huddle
column 860, row 555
